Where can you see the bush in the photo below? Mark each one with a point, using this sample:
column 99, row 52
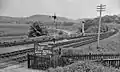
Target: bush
column 37, row 29
column 86, row 66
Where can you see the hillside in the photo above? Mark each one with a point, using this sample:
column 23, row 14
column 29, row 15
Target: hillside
column 27, row 20
column 47, row 19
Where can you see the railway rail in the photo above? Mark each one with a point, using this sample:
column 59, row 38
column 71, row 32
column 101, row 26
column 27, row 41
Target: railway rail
column 78, row 44
column 42, row 39
column 16, row 53
column 71, row 41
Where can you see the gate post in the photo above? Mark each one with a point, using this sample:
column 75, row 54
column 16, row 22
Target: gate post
column 28, row 58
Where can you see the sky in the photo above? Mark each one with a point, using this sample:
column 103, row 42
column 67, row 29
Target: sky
column 67, row 8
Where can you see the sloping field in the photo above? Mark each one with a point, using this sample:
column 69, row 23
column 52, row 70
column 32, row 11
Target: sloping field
column 108, row 45
column 13, row 29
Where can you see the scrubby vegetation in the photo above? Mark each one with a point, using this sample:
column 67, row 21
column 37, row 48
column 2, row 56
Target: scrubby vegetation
column 91, row 26
column 83, row 66
column 110, row 19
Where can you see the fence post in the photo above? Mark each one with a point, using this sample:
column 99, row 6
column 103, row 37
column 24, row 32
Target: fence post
column 28, row 58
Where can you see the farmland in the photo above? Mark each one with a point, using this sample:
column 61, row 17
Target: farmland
column 13, row 29
column 19, row 31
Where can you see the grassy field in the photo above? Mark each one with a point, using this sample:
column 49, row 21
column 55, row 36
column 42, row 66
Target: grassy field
column 23, row 28
column 15, row 29
column 108, row 45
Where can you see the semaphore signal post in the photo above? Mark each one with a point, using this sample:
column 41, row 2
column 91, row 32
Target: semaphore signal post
column 100, row 9
column 55, row 18
column 83, row 27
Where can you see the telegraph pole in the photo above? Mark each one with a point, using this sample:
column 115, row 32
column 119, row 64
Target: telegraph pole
column 100, row 8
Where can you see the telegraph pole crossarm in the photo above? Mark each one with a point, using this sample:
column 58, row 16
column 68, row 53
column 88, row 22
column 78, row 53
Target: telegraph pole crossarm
column 100, row 9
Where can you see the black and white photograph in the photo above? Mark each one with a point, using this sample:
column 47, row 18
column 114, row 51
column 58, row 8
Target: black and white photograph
column 59, row 35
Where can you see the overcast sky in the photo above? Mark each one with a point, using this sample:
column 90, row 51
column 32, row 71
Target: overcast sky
column 68, row 8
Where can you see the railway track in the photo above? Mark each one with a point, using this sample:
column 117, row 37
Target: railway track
column 78, row 44
column 12, row 61
column 16, row 53
column 90, row 40
column 21, row 55
column 71, row 41
column 30, row 50
column 42, row 39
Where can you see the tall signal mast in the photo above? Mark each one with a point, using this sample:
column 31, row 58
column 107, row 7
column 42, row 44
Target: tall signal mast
column 83, row 28
column 54, row 17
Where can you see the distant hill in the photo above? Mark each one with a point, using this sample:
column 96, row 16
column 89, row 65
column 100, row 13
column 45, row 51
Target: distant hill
column 46, row 18
column 27, row 20
column 7, row 19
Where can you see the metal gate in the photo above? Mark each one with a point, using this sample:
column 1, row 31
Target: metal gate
column 38, row 62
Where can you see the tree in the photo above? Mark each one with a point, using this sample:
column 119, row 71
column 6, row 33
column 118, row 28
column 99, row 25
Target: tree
column 37, row 29
column 91, row 25
column 90, row 22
